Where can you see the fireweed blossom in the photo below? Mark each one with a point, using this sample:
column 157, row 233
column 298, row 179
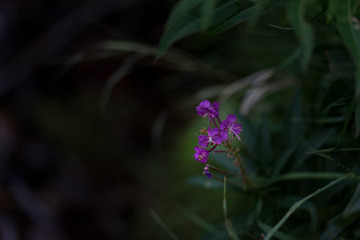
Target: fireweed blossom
column 215, row 135
column 206, row 109
column 207, row 171
column 229, row 126
column 212, row 138
column 201, row 155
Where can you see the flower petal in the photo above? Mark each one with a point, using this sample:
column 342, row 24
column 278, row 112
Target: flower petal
column 213, row 132
column 224, row 135
column 203, row 141
column 224, row 125
column 205, row 104
column 231, row 118
column 217, row 139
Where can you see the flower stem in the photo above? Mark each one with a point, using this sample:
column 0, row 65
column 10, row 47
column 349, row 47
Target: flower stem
column 234, row 154
column 228, row 182
column 221, row 170
column 215, row 124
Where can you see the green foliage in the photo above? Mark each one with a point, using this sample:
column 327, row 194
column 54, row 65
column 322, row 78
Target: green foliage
column 299, row 203
column 303, row 30
column 300, row 115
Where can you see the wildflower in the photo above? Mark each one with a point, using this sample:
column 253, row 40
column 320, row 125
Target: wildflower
column 231, row 125
column 207, row 172
column 213, row 138
column 206, row 109
column 201, row 154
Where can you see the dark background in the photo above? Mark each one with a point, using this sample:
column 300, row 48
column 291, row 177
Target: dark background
column 70, row 169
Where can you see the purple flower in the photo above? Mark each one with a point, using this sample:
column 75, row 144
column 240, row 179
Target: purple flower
column 201, row 155
column 213, row 138
column 231, row 125
column 206, row 109
column 207, row 172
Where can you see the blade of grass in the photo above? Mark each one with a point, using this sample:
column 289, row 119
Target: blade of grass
column 208, row 13
column 309, row 175
column 115, row 78
column 335, row 150
column 172, row 59
column 161, row 223
column 228, row 225
column 296, row 12
column 242, row 83
column 355, row 175
column 297, row 204
column 179, row 10
column 278, row 234
column 350, row 33
column 332, row 8
column 191, row 23
column 234, row 20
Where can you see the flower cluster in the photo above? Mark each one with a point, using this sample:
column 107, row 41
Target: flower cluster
column 219, row 132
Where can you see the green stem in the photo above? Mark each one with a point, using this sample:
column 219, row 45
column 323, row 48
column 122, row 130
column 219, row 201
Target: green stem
column 219, row 170
column 238, row 159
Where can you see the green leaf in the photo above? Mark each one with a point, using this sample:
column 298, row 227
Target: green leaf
column 309, row 175
column 185, row 26
column 278, row 234
column 337, row 89
column 182, row 25
column 251, row 13
column 297, row 204
column 349, row 30
column 234, row 20
column 304, row 32
column 207, row 13
column 350, row 33
column 115, row 78
column 180, row 10
column 287, row 200
column 331, row 10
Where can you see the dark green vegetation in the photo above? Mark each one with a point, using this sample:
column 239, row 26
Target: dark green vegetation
column 98, row 122
column 299, row 103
